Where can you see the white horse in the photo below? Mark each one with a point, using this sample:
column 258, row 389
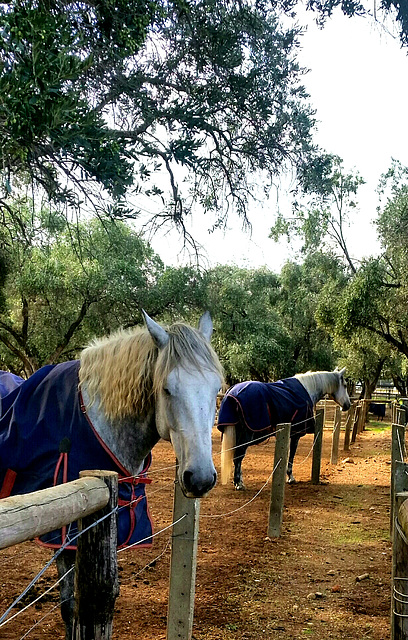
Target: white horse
column 251, row 410
column 125, row 393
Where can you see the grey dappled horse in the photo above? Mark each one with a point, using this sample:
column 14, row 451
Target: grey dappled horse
column 251, row 410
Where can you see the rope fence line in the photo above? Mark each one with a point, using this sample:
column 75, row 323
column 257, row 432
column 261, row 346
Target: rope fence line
column 229, row 513
column 4, row 619
column 68, row 541
column 299, row 464
column 217, row 453
column 56, row 606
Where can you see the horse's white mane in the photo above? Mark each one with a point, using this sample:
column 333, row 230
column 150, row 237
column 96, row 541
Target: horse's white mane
column 126, row 370
column 316, row 382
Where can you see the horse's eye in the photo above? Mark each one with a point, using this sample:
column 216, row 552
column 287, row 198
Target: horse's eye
column 167, row 392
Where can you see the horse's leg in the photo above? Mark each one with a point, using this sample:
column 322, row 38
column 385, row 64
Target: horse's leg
column 66, row 561
column 242, row 438
column 294, row 441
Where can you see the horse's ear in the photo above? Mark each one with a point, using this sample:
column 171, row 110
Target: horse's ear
column 159, row 335
column 342, row 371
column 205, row 326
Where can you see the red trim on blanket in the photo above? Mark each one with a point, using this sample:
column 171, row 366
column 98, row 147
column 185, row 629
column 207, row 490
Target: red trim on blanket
column 8, row 483
column 127, row 477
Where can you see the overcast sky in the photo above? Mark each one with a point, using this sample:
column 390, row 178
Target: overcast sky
column 358, row 86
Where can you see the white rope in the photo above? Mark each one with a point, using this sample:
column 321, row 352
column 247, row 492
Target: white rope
column 37, row 599
column 402, row 449
column 4, row 621
column 149, row 472
column 57, row 606
column 230, row 513
column 249, row 442
column 154, row 534
column 298, row 464
column 150, row 563
column 403, row 595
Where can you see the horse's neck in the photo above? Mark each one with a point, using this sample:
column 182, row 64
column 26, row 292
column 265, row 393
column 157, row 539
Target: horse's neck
column 130, row 441
column 317, row 384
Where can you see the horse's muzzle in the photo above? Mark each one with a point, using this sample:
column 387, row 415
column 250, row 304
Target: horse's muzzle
column 346, row 406
column 195, row 486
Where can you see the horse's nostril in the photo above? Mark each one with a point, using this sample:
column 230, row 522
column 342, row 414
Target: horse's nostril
column 187, row 479
column 198, row 486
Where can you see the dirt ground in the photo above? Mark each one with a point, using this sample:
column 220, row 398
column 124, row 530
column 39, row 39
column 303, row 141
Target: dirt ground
column 327, row 576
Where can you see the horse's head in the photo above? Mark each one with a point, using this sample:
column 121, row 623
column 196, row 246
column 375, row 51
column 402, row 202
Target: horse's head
column 340, row 394
column 188, row 377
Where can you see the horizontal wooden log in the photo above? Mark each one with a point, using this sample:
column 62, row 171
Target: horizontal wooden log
column 30, row 515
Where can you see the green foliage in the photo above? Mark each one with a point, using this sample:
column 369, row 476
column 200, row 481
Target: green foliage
column 323, row 212
column 265, row 326
column 64, row 284
column 249, row 337
column 48, row 128
column 300, row 292
column 180, row 101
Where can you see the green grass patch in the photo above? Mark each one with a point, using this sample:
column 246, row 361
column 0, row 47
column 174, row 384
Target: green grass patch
column 377, row 426
column 355, row 535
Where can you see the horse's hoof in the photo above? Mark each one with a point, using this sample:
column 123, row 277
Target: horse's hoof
column 240, row 486
column 291, row 480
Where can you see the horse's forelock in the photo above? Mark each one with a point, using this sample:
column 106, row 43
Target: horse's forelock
column 186, row 348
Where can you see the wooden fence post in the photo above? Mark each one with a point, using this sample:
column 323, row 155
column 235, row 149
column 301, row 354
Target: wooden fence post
column 399, row 580
column 96, row 570
column 336, row 436
column 317, row 449
column 363, row 416
column 356, row 422
column 183, row 566
column 397, row 456
column 279, row 480
column 347, row 429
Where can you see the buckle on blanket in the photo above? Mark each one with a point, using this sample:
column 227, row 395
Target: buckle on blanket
column 136, row 480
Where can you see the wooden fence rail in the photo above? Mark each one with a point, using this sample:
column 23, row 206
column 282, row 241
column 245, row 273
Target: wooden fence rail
column 33, row 514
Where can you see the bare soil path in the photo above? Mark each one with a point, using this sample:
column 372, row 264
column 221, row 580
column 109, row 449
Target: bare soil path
column 326, row 577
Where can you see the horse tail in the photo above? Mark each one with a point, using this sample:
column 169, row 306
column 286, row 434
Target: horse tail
column 227, row 453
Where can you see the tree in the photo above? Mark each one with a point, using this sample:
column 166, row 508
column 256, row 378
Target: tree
column 249, row 337
column 379, row 11
column 264, row 324
column 116, row 95
column 375, row 298
column 297, row 300
column 65, row 284
column 323, row 212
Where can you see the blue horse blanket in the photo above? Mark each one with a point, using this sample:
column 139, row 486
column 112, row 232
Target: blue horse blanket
column 263, row 405
column 46, row 438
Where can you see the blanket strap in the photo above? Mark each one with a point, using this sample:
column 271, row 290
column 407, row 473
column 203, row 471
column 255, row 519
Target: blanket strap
column 64, row 449
column 8, row 483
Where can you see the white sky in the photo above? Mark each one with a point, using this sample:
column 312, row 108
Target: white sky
column 358, row 85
